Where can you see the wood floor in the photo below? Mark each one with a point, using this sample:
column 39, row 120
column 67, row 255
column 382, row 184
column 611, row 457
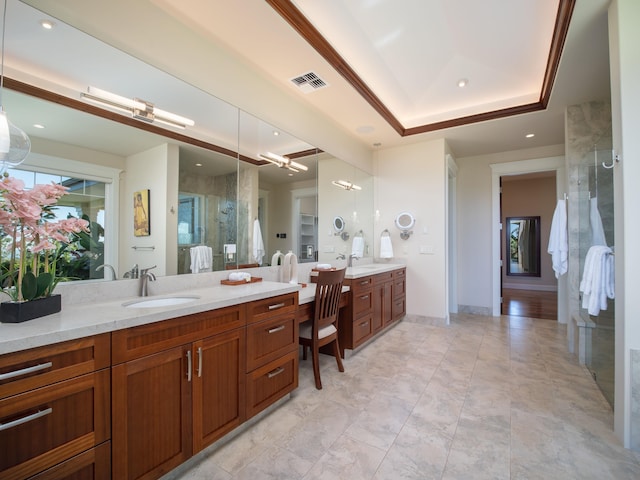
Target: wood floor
column 530, row 303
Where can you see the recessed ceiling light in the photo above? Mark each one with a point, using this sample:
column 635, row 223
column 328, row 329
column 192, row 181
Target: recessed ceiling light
column 37, row 125
column 276, row 133
column 463, row 82
column 47, row 24
column 530, row 135
column 290, row 174
column 198, row 164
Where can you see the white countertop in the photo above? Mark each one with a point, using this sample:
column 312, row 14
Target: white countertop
column 358, row 271
column 308, row 294
column 83, row 320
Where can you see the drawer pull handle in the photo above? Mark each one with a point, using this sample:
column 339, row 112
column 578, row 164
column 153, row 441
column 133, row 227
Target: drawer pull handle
column 364, row 297
column 28, row 418
column 24, row 371
column 364, row 324
column 188, row 365
column 275, row 372
column 365, row 282
column 277, row 305
column 199, row 361
column 276, row 329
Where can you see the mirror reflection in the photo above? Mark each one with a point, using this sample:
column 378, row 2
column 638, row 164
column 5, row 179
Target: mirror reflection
column 523, row 246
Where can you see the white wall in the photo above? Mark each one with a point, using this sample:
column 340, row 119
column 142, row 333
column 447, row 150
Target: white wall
column 624, row 38
column 412, row 179
column 157, row 171
column 474, row 221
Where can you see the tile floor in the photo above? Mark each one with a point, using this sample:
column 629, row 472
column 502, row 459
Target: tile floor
column 481, row 398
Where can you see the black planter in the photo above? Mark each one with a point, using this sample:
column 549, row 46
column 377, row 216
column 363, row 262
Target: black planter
column 17, row 312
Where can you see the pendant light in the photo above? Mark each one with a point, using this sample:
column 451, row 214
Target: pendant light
column 14, row 143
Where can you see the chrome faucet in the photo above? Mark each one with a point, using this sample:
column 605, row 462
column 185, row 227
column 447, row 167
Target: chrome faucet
column 133, row 273
column 110, row 267
column 341, row 256
column 145, row 277
column 350, row 262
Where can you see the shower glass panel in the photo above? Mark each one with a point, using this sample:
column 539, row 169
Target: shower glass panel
column 597, row 228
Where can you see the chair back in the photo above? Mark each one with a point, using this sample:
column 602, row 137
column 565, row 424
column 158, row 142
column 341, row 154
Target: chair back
column 328, row 291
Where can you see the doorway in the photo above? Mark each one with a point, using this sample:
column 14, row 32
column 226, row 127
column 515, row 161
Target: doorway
column 498, row 170
column 528, row 283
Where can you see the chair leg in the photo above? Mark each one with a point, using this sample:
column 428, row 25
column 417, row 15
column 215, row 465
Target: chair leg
column 336, row 353
column 304, row 352
column 315, row 355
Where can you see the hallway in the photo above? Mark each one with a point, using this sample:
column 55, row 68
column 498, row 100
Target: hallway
column 483, row 397
column 530, row 303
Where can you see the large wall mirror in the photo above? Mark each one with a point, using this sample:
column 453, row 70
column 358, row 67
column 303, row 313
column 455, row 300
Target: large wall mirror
column 210, row 184
column 523, row 246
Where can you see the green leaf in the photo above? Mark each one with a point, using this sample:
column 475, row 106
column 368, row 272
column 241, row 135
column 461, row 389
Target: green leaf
column 29, row 286
column 45, row 280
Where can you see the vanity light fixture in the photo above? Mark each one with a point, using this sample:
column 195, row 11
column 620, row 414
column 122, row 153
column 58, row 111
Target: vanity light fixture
column 137, row 108
column 283, row 162
column 346, row 185
column 14, row 143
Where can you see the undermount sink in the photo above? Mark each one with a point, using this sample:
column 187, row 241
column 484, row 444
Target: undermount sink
column 160, row 302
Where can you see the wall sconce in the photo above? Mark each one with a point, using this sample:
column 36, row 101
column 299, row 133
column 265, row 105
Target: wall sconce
column 283, row 162
column 138, row 109
column 405, row 221
column 346, row 185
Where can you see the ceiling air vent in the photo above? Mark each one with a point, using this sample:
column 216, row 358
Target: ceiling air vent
column 309, row 82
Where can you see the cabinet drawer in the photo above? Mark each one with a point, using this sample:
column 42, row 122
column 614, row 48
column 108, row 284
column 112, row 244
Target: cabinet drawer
column 398, row 309
column 37, row 367
column 362, row 302
column 270, row 339
column 383, row 277
column 138, row 342
column 46, row 426
column 361, row 284
column 362, row 328
column 94, row 464
column 261, row 309
column 402, row 273
column 271, row 382
column 399, row 287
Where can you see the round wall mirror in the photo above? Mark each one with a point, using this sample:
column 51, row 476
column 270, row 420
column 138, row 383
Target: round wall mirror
column 338, row 224
column 405, row 221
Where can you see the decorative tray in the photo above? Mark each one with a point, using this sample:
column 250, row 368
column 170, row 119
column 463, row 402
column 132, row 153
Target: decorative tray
column 332, row 269
column 241, row 282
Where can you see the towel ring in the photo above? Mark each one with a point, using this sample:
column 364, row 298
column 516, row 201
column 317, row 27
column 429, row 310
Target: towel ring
column 405, row 222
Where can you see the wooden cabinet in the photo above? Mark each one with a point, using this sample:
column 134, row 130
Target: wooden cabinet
column 55, row 411
column 179, row 387
column 272, row 351
column 376, row 302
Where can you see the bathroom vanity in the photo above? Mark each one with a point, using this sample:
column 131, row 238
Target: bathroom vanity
column 135, row 401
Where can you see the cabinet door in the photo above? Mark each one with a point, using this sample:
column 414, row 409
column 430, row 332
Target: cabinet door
column 378, row 307
column 152, row 425
column 386, row 315
column 43, row 427
column 218, row 387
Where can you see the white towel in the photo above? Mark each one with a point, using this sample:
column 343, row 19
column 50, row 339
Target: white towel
column 386, row 248
column 598, row 279
column 597, row 230
column 201, row 259
column 323, row 266
column 258, row 245
column 357, row 247
column 235, row 276
column 558, row 241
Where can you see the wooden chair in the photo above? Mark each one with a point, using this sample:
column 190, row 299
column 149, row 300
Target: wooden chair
column 323, row 327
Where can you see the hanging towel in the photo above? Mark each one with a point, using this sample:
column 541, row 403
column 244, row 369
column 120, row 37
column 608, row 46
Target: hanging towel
column 598, row 279
column 357, row 247
column 597, row 230
column 201, row 259
column 386, row 248
column 258, row 245
column 558, row 241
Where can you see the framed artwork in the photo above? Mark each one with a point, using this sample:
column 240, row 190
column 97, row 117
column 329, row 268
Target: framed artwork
column 141, row 221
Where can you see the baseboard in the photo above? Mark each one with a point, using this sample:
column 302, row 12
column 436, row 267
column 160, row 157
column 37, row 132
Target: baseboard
column 475, row 310
column 524, row 286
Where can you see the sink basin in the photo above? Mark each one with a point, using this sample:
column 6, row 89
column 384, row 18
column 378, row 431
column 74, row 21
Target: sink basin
column 160, row 302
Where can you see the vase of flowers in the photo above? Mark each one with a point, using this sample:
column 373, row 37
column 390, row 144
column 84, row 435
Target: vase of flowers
column 32, row 243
